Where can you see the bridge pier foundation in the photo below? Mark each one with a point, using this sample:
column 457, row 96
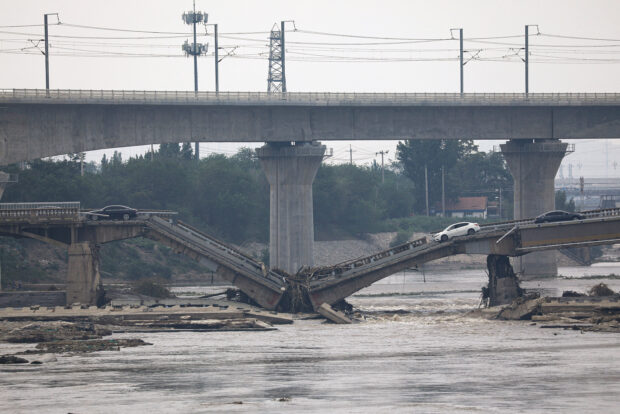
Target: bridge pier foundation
column 83, row 279
column 5, row 179
column 290, row 170
column 503, row 285
column 533, row 165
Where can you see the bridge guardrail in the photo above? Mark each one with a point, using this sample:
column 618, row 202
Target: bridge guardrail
column 305, row 98
column 337, row 269
column 220, row 251
column 51, row 209
column 606, row 212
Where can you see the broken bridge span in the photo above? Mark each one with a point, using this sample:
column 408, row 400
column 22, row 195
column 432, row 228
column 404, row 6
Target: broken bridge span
column 276, row 289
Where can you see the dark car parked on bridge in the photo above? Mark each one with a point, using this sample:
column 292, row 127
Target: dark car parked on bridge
column 114, row 212
column 558, row 215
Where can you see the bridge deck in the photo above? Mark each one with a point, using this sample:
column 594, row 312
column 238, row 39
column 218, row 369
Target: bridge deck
column 515, row 238
column 325, row 284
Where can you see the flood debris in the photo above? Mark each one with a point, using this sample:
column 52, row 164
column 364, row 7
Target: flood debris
column 78, row 329
column 92, row 345
column 12, row 359
column 599, row 310
column 600, row 290
column 202, row 325
column 333, row 315
column 53, row 331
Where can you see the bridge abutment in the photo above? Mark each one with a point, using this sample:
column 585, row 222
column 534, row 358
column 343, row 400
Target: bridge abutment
column 290, row 170
column 533, row 165
column 83, row 278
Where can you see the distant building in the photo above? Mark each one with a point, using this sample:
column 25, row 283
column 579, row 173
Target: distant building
column 466, row 207
column 609, row 201
column 493, row 209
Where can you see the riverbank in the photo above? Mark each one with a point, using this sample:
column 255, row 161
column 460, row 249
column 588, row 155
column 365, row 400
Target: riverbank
column 416, row 350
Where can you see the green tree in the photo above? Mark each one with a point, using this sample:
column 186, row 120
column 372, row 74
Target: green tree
column 562, row 204
column 186, row 151
column 172, row 150
column 416, row 156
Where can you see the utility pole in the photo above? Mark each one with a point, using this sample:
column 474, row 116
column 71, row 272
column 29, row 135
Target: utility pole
column 426, row 185
column 500, row 203
column 350, row 155
column 47, row 57
column 443, row 193
column 527, row 56
column 581, row 190
column 217, row 60
column 47, row 54
column 216, row 55
column 195, row 49
column 462, row 66
column 283, row 46
column 382, row 171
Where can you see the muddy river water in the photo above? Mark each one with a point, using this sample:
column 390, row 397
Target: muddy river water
column 429, row 357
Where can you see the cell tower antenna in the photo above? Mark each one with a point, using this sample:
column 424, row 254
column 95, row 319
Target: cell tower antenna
column 195, row 49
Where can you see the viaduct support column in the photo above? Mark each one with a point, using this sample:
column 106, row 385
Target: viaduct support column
column 290, row 170
column 5, row 179
column 533, row 165
column 83, row 279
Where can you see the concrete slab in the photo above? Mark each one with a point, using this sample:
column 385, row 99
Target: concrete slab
column 333, row 315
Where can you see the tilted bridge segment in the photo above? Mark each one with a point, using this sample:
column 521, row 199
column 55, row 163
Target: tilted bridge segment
column 516, row 238
column 64, row 226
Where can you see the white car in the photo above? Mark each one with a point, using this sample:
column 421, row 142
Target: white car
column 457, row 229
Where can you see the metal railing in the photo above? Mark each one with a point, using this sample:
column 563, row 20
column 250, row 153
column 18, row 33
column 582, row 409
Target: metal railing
column 607, row 212
column 216, row 251
column 73, row 205
column 50, row 210
column 304, row 98
column 338, row 269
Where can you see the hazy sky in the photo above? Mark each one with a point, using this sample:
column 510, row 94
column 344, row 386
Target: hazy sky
column 87, row 58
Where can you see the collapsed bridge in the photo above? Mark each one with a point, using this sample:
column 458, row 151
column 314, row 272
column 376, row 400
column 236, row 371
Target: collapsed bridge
column 64, row 225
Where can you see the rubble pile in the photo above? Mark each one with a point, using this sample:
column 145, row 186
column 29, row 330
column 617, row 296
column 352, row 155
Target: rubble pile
column 599, row 310
column 58, row 330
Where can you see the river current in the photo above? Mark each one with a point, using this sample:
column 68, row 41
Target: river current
column 417, row 351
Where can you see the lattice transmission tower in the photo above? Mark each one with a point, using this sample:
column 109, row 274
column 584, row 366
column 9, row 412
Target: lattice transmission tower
column 276, row 81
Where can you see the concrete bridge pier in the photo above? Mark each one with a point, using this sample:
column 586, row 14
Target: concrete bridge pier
column 83, row 278
column 290, row 170
column 533, row 165
column 5, row 179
